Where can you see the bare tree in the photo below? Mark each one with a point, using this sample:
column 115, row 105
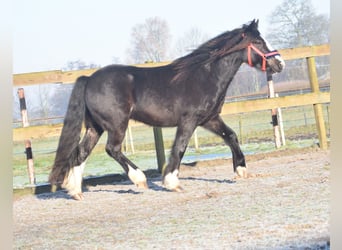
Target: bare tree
column 79, row 64
column 44, row 94
column 150, row 41
column 294, row 23
column 190, row 41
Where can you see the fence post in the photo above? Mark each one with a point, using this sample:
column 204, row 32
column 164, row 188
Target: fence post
column 322, row 135
column 23, row 110
column 128, row 136
column 196, row 139
column 273, row 111
column 281, row 124
column 29, row 158
column 159, row 144
column 240, row 130
column 28, row 148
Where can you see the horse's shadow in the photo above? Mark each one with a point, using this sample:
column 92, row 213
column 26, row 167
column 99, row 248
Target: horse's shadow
column 62, row 194
column 58, row 194
column 152, row 185
column 208, row 180
column 154, row 180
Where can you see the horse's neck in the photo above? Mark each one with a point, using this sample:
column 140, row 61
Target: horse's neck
column 226, row 69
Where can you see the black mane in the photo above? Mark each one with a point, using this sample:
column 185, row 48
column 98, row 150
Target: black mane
column 214, row 49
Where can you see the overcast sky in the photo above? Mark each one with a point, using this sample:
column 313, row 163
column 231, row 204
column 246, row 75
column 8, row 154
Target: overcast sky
column 48, row 34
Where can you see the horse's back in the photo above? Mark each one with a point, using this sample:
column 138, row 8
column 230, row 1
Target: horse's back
column 143, row 94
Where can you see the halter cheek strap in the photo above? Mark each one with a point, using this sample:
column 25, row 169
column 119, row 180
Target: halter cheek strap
column 263, row 55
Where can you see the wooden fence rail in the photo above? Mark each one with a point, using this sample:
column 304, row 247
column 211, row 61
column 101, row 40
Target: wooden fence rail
column 277, row 102
column 315, row 98
column 65, row 77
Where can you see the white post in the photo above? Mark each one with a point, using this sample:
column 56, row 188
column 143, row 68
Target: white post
column 281, row 125
column 273, row 112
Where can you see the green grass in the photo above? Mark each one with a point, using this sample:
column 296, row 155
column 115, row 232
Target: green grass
column 255, row 133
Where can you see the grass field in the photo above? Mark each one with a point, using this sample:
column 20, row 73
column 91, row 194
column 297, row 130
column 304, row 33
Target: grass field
column 254, row 130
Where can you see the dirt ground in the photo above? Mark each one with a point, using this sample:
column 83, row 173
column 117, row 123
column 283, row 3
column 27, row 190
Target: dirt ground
column 284, row 204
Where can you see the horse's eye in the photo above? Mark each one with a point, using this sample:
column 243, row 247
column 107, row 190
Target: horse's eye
column 257, row 42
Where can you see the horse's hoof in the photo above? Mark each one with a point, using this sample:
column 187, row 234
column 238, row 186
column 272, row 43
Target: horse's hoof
column 178, row 189
column 241, row 172
column 78, row 197
column 142, row 185
column 171, row 182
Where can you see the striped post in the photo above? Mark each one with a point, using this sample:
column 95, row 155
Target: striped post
column 274, row 112
column 23, row 110
column 29, row 158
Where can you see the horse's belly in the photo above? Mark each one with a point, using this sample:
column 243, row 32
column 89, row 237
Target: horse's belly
column 157, row 117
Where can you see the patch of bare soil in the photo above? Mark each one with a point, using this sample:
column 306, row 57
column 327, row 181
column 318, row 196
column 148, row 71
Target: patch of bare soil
column 284, row 204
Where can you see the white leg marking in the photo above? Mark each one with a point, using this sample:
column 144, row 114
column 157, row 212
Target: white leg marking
column 73, row 181
column 171, row 181
column 241, row 171
column 137, row 177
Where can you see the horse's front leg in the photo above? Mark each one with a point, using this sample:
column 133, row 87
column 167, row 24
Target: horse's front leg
column 217, row 126
column 171, row 171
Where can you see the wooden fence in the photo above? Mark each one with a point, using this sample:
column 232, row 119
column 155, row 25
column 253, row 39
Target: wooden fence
column 315, row 98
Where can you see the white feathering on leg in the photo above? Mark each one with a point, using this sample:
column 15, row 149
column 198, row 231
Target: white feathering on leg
column 171, row 180
column 137, row 177
column 73, row 181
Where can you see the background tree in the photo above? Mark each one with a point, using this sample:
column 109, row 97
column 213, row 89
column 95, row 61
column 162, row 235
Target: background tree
column 79, row 64
column 189, row 41
column 294, row 23
column 150, row 41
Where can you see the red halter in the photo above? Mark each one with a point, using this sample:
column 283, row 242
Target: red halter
column 263, row 55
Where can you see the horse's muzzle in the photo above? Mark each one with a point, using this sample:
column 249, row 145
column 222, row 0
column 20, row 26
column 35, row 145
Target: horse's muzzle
column 276, row 64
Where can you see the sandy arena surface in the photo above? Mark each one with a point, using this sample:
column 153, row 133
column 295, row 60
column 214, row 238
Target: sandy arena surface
column 284, row 204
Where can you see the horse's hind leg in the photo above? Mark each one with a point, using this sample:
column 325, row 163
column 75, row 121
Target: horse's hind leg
column 73, row 179
column 113, row 148
column 217, row 126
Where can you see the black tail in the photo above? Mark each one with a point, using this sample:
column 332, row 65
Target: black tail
column 67, row 149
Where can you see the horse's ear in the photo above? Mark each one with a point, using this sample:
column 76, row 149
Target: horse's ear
column 254, row 24
column 256, row 21
column 252, row 27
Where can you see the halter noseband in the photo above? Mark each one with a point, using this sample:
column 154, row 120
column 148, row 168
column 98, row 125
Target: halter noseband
column 264, row 56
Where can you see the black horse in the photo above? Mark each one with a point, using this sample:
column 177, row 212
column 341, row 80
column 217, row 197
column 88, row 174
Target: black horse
column 186, row 93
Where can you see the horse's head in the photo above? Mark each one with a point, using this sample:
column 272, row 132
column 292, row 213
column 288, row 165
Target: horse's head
column 259, row 52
